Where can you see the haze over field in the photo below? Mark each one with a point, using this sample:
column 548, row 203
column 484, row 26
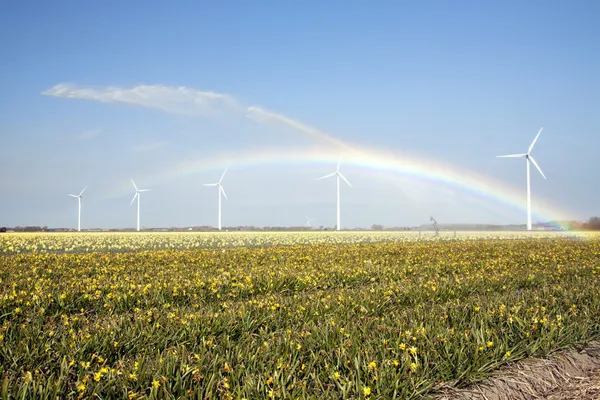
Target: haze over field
column 419, row 98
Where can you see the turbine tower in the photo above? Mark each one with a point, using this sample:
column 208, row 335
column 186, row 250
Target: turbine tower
column 78, row 197
column 338, row 175
column 219, row 191
column 528, row 158
column 138, row 195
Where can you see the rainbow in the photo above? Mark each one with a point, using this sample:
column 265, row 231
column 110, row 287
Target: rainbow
column 384, row 163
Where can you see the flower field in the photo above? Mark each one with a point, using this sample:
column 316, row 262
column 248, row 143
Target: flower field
column 204, row 316
column 134, row 241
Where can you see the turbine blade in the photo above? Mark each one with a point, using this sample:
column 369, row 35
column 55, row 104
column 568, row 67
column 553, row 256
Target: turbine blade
column 534, row 140
column 327, row 176
column 223, row 191
column 73, row 195
column 143, row 190
column 537, row 166
column 222, row 176
column 134, row 196
column 210, row 184
column 339, row 163
column 82, row 191
column 344, row 178
column 134, row 184
column 513, row 155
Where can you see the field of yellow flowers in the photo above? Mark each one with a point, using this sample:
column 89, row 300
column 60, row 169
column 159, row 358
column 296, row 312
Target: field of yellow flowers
column 117, row 242
column 333, row 319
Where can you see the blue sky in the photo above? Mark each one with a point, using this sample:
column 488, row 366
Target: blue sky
column 94, row 93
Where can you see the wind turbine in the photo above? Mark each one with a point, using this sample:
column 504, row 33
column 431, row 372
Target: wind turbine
column 308, row 221
column 338, row 175
column 435, row 226
column 78, row 197
column 138, row 195
column 528, row 158
column 220, row 190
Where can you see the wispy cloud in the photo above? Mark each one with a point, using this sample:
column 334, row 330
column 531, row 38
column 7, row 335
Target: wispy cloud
column 263, row 116
column 177, row 100
column 89, row 134
column 151, row 146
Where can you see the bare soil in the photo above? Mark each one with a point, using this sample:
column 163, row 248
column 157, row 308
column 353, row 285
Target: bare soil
column 565, row 375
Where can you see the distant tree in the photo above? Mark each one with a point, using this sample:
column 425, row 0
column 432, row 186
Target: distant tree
column 28, row 228
column 3, row 229
column 377, row 227
column 593, row 224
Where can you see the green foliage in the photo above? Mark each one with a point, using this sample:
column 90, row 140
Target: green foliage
column 386, row 320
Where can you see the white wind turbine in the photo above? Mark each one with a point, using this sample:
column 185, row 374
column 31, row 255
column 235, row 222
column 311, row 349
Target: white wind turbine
column 220, row 190
column 308, row 221
column 529, row 158
column 138, row 195
column 78, row 197
column 338, row 175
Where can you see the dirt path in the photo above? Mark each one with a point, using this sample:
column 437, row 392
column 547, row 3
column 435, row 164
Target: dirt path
column 565, row 375
column 578, row 389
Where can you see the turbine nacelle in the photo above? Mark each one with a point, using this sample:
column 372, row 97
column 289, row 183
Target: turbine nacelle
column 528, row 157
column 78, row 196
column 220, row 188
column 137, row 192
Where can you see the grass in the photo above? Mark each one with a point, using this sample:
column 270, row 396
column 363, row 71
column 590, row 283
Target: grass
column 337, row 319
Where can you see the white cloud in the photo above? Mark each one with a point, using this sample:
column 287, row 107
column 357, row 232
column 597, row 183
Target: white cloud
column 177, row 100
column 89, row 134
column 261, row 115
column 183, row 100
column 144, row 147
